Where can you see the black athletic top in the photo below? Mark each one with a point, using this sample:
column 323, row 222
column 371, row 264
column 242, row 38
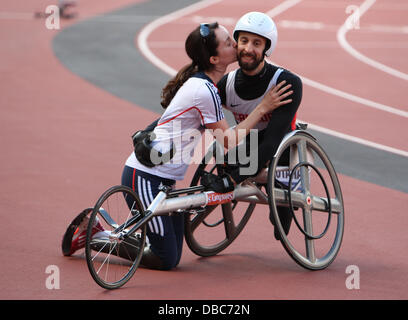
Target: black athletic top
column 282, row 119
column 252, row 87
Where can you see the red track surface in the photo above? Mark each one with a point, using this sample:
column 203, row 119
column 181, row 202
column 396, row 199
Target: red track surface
column 64, row 142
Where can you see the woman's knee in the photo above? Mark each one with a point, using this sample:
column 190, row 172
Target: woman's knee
column 169, row 261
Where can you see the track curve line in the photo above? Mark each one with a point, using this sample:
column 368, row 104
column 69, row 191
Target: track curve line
column 142, row 40
column 341, row 38
column 88, row 50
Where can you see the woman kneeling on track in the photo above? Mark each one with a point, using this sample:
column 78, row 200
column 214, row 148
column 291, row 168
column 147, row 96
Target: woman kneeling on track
column 192, row 104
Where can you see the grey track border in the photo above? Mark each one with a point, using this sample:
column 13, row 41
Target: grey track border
column 102, row 51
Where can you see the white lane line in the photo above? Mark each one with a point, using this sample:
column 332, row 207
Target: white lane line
column 5, row 15
column 353, row 98
column 334, row 44
column 285, row 5
column 143, row 46
column 355, row 139
column 320, row 26
column 387, row 28
column 149, row 28
column 303, row 25
column 341, row 38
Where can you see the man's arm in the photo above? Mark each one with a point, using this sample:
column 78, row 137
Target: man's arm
column 278, row 126
column 221, row 85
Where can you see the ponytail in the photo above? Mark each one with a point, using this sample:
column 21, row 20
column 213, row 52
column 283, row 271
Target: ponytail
column 170, row 90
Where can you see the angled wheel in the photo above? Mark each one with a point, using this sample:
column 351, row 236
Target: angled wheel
column 315, row 201
column 211, row 229
column 112, row 253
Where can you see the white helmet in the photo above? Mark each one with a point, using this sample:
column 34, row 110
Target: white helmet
column 260, row 24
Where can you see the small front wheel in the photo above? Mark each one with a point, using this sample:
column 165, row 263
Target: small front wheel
column 113, row 253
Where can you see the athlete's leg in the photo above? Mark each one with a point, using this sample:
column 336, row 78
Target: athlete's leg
column 178, row 225
column 164, row 233
column 264, row 152
column 164, row 242
column 285, row 216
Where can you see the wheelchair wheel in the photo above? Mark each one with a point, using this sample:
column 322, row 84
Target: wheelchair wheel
column 315, row 203
column 211, row 229
column 112, row 253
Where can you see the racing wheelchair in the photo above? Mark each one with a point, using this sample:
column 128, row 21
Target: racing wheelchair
column 308, row 186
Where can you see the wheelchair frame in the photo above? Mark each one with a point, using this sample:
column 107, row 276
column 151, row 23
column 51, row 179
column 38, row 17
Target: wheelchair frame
column 196, row 203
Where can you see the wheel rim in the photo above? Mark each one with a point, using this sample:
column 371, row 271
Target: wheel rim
column 210, row 230
column 316, row 252
column 113, row 255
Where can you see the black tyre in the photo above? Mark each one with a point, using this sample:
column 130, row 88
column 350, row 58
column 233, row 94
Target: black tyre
column 317, row 208
column 211, row 229
column 114, row 254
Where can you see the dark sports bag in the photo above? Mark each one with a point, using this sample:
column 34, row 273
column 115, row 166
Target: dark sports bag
column 142, row 143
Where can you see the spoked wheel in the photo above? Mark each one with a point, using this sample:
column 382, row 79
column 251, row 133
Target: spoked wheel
column 211, row 229
column 316, row 203
column 112, row 253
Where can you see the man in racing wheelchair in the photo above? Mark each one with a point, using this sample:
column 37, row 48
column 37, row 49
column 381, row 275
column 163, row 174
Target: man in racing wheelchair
column 242, row 89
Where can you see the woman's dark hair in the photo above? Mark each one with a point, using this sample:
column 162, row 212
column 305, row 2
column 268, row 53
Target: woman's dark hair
column 201, row 44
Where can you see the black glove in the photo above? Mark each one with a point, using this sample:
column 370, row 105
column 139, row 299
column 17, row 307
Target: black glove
column 219, row 184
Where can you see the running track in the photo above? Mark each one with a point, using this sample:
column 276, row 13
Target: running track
column 71, row 98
